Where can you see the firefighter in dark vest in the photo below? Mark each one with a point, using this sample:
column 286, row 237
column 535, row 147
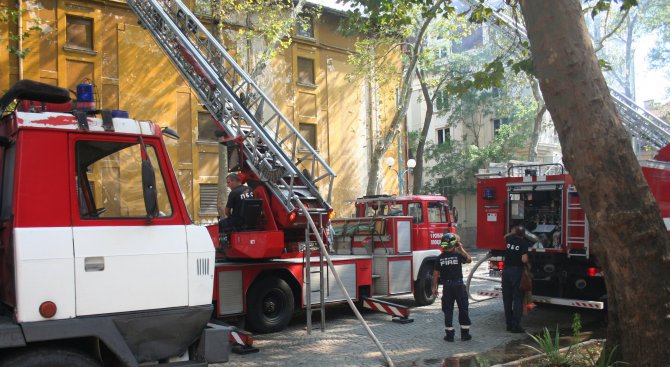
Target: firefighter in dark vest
column 233, row 211
column 516, row 255
column 449, row 270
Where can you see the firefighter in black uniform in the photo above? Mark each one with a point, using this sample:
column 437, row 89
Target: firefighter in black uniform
column 449, row 270
column 516, row 255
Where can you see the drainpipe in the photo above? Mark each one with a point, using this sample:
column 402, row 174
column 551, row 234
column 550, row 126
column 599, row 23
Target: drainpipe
column 20, row 36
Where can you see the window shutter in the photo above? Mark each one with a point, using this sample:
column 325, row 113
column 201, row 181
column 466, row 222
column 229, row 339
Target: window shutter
column 208, row 197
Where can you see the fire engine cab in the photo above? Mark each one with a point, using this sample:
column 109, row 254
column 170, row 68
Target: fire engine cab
column 543, row 198
column 100, row 263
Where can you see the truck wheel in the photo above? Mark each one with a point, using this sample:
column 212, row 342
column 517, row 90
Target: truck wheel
column 49, row 357
column 269, row 305
column 423, row 286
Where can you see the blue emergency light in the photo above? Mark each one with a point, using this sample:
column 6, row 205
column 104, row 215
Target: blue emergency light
column 85, row 93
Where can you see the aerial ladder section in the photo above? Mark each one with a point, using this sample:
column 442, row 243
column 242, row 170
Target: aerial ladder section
column 272, row 147
column 639, row 122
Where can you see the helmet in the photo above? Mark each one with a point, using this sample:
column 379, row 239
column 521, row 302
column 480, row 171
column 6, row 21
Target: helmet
column 449, row 240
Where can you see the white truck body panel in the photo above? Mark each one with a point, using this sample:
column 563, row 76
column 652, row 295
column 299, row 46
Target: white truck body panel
column 145, row 267
column 44, row 272
column 200, row 265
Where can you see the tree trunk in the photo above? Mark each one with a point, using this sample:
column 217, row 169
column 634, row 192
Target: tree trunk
column 383, row 144
column 373, row 131
column 537, row 124
column 418, row 170
column 627, row 232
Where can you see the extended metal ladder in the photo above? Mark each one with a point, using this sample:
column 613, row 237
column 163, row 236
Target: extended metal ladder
column 639, row 122
column 273, row 149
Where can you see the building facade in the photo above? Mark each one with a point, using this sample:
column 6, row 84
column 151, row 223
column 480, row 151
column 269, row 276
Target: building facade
column 100, row 42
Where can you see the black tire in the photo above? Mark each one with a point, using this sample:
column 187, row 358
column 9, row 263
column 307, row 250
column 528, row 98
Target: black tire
column 49, row 357
column 269, row 305
column 423, row 286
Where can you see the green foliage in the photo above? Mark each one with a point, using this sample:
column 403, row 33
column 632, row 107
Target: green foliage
column 13, row 17
column 457, row 161
column 550, row 346
column 389, row 18
column 596, row 358
column 605, row 5
column 655, row 19
column 480, row 14
column 576, row 327
column 272, row 21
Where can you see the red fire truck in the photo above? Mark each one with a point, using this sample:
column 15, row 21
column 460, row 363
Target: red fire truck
column 544, row 199
column 386, row 249
column 101, row 264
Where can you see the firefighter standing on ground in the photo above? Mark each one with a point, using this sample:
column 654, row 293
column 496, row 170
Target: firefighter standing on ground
column 516, row 255
column 449, row 270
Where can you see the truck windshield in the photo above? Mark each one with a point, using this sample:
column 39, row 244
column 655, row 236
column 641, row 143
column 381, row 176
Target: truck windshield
column 109, row 180
column 437, row 212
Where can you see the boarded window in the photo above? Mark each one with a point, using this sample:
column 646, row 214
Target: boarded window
column 206, row 127
column 308, row 131
column 79, row 33
column 306, row 71
column 208, row 199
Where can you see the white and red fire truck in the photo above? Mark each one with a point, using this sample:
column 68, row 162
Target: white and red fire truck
column 544, row 199
column 261, row 269
column 101, row 264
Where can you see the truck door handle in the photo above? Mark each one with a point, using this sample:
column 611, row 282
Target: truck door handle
column 94, row 263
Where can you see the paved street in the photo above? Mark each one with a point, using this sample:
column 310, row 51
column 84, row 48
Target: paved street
column 345, row 343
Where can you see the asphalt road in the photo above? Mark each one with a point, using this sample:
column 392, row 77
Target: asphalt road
column 420, row 343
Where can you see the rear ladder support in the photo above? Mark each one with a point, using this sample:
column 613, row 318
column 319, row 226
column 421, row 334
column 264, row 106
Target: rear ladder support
column 399, row 313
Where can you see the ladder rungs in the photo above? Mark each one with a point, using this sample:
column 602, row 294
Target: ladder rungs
column 294, row 187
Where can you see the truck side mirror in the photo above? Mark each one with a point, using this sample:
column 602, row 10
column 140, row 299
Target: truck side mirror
column 149, row 189
column 148, row 184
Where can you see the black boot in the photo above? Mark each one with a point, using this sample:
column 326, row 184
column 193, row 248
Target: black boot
column 450, row 335
column 465, row 334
